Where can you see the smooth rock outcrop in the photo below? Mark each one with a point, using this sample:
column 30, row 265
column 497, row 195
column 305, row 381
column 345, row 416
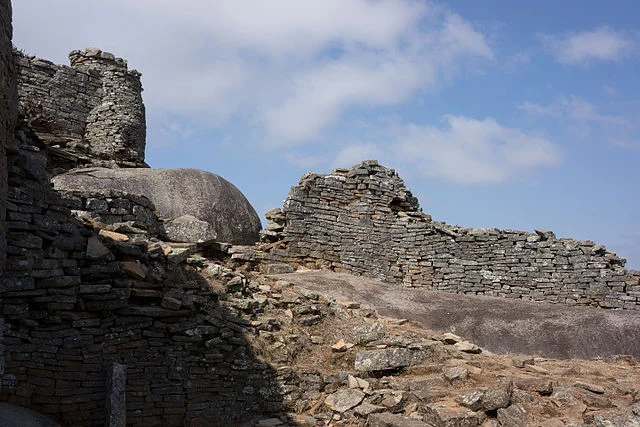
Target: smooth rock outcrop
column 175, row 193
column 187, row 228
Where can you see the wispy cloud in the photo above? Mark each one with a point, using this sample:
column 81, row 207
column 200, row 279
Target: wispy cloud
column 463, row 150
column 518, row 60
column 600, row 44
column 610, row 90
column 584, row 120
column 288, row 69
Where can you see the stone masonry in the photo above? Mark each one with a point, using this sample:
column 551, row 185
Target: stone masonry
column 365, row 221
column 8, row 113
column 86, row 286
column 84, row 283
column 88, row 114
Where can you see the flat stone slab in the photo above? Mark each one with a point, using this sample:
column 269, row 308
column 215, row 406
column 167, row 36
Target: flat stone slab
column 387, row 358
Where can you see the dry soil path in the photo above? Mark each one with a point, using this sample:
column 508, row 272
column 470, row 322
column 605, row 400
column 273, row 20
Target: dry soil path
column 499, row 325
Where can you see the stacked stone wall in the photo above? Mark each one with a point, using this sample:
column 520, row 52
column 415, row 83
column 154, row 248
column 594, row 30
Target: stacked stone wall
column 365, row 221
column 8, row 111
column 114, row 210
column 88, row 114
column 79, row 295
column 85, row 286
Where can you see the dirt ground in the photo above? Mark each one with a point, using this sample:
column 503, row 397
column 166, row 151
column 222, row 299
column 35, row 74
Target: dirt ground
column 500, row 325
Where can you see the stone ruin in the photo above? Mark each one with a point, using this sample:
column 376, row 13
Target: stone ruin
column 86, row 299
column 90, row 113
column 363, row 220
column 91, row 299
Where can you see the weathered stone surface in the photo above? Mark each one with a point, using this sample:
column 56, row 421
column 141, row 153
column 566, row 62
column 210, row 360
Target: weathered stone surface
column 177, row 192
column 393, row 420
column 116, row 396
column 455, row 373
column 570, row 405
column 591, row 387
column 388, row 358
column 370, row 332
column 367, row 408
column 187, row 228
column 134, row 269
column 113, row 235
column 449, row 338
column 449, row 415
column 97, row 101
column 541, row 386
column 606, row 420
column 498, row 395
column 472, row 399
column 96, row 250
column 467, row 347
column 276, row 268
column 343, row 400
column 8, row 113
column 513, row 416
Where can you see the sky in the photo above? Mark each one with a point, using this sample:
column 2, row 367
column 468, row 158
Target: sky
column 515, row 115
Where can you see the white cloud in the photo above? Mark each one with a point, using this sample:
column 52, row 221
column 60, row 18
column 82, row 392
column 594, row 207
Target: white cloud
column 287, row 69
column 464, row 151
column 468, row 151
column 584, row 120
column 573, row 108
column 320, row 96
column 286, row 27
column 458, row 37
column 601, row 44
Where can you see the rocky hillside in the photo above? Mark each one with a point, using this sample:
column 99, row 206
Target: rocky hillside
column 341, row 364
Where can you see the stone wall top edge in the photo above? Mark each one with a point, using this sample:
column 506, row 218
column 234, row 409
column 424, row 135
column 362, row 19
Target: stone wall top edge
column 79, row 59
column 372, row 167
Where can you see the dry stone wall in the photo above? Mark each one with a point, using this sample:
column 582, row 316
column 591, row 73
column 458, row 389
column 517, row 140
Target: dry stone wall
column 115, row 210
column 85, row 288
column 8, row 113
column 185, row 354
column 88, row 114
column 365, row 221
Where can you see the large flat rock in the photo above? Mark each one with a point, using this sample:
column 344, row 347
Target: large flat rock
column 176, row 193
column 499, row 325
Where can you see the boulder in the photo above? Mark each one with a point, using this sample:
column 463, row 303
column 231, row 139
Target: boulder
column 176, row 193
column 389, row 358
column 188, row 228
column 515, row 416
column 343, row 400
column 498, row 395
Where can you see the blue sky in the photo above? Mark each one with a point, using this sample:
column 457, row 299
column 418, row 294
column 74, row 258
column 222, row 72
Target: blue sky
column 503, row 114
